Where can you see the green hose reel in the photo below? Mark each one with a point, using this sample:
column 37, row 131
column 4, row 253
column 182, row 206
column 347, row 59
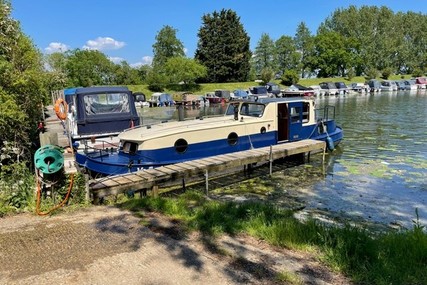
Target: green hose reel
column 49, row 159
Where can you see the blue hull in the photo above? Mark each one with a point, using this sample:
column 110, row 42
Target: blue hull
column 120, row 163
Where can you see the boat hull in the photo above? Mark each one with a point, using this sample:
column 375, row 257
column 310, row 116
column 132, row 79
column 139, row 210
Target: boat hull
column 120, row 163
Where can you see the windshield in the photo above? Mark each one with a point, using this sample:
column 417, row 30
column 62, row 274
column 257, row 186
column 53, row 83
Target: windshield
column 253, row 110
column 104, row 103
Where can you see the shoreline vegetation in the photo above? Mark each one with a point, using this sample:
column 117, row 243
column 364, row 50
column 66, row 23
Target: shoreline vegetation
column 366, row 257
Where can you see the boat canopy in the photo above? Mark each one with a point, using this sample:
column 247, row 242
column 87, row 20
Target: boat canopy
column 104, row 110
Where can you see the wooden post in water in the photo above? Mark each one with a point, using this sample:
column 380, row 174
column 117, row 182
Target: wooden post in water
column 87, row 191
column 271, row 160
column 207, row 182
column 155, row 191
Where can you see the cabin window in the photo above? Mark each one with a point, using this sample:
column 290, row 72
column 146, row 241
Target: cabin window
column 181, row 145
column 130, row 147
column 295, row 114
column 104, row 103
column 306, row 112
column 232, row 138
column 253, row 110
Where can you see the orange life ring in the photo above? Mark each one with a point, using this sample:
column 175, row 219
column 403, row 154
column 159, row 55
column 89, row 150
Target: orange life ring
column 61, row 109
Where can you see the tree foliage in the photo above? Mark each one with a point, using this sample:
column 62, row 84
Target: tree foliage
column 381, row 39
column 186, row 70
column 305, row 46
column 167, row 45
column 287, row 55
column 265, row 54
column 223, row 47
column 22, row 88
column 88, row 68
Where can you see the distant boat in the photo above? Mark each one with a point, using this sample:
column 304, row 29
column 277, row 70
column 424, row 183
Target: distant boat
column 245, row 125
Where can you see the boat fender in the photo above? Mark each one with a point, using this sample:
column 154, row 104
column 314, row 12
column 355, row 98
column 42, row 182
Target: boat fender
column 61, row 109
column 49, row 159
column 330, row 143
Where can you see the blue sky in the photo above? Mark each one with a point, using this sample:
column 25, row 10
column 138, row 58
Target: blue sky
column 126, row 29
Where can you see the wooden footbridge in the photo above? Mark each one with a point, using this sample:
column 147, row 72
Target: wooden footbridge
column 198, row 170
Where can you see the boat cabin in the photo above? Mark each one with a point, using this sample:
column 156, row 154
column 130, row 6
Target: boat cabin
column 100, row 111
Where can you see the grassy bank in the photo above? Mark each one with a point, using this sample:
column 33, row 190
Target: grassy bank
column 385, row 258
column 210, row 87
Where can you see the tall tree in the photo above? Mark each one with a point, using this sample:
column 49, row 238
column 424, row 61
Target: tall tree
column 89, row 67
column 23, row 89
column 265, row 57
column 287, row 56
column 186, row 70
column 223, row 47
column 167, row 45
column 305, row 46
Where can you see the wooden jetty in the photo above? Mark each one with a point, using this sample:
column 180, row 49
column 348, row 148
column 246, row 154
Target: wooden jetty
column 55, row 134
column 197, row 170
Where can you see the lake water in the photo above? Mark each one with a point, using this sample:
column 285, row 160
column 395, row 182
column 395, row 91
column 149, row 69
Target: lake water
column 377, row 175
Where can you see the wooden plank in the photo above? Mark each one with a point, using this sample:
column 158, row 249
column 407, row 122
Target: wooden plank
column 155, row 172
column 121, row 179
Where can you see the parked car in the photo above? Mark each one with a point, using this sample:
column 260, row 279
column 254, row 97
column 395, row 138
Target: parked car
column 273, row 89
column 298, row 90
column 328, row 88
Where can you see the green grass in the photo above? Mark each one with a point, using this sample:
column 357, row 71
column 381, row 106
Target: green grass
column 381, row 258
column 210, row 87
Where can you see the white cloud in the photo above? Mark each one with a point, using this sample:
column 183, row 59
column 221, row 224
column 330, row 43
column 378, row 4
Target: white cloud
column 103, row 43
column 146, row 60
column 116, row 59
column 56, row 47
column 185, row 50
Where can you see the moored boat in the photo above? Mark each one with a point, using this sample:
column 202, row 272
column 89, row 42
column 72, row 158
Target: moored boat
column 245, row 125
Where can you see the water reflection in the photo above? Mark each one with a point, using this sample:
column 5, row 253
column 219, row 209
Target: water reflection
column 377, row 174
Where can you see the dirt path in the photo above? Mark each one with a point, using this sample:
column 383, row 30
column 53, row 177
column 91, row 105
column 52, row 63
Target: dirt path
column 106, row 245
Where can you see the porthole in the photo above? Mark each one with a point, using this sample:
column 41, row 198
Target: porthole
column 263, row 130
column 232, row 138
column 181, row 145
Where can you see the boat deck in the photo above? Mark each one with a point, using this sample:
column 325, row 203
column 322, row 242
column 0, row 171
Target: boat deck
column 197, row 170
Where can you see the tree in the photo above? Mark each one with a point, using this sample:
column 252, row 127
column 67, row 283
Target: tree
column 305, row 46
column 223, row 47
column 124, row 74
column 22, row 93
column 287, row 55
column 332, row 55
column 186, row 70
column 264, row 56
column 89, row 67
column 166, row 46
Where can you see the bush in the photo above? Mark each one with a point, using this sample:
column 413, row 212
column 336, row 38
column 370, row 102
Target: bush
column 386, row 72
column 371, row 73
column 16, row 188
column 290, row 77
column 267, row 74
column 417, row 72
